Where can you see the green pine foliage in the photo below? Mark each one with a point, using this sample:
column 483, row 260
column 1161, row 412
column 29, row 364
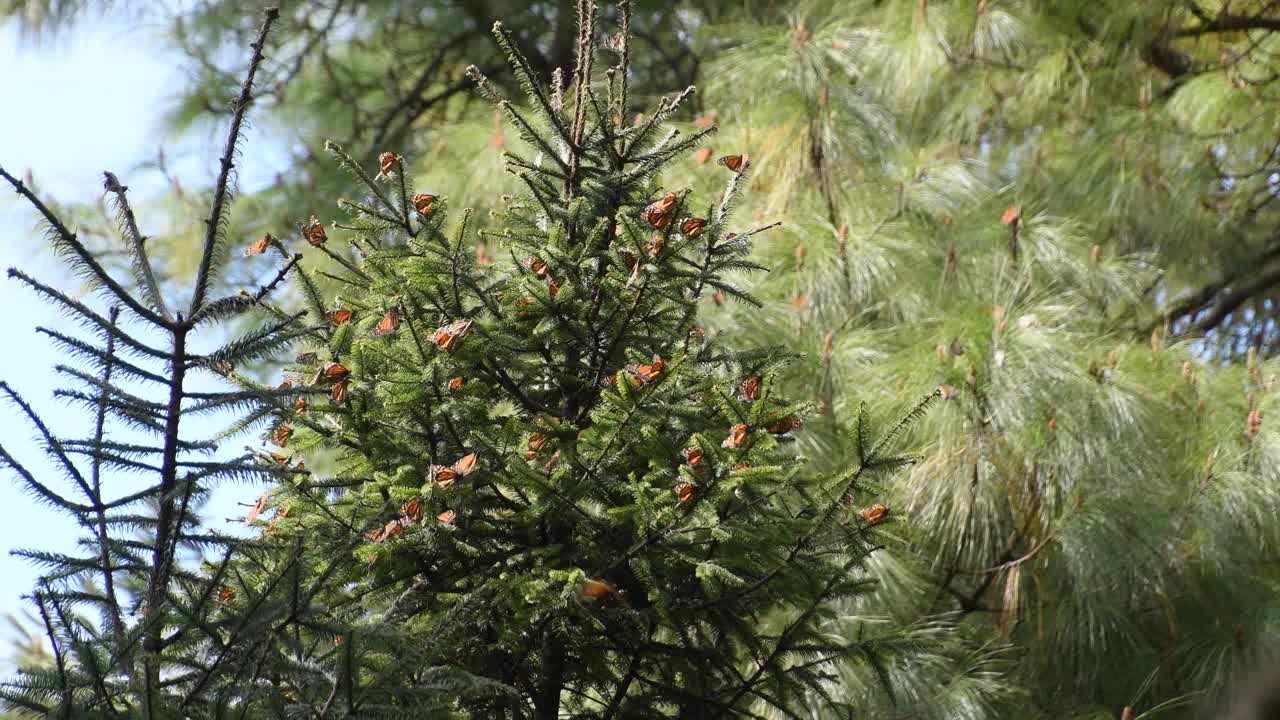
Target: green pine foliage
column 566, row 500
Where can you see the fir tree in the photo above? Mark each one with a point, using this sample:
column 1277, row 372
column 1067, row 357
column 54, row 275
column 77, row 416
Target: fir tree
column 568, row 502
column 132, row 630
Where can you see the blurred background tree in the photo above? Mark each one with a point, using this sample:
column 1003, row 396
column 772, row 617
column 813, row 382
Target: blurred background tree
column 1062, row 213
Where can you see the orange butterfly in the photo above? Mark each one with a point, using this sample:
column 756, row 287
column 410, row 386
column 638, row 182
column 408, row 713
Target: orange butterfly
column 455, row 383
column 742, row 466
column 447, row 336
column 784, row 425
column 259, row 246
column 300, row 406
column 338, row 317
column 444, row 476
column 536, row 441
column 551, row 463
column 280, row 459
column 388, row 323
column 656, row 243
column 633, row 267
column 521, row 306
column 300, row 466
column 874, row 514
column 596, row 590
column 222, row 367
column 692, row 227
column 735, row 163
column 338, row 393
column 314, row 232
column 703, row 155
column 422, row 202
column 387, row 160
column 331, row 371
column 446, row 517
column 280, row 436
column 285, row 384
column 412, row 509
column 649, row 372
column 1010, row 215
column 750, row 389
column 257, row 508
column 658, row 214
column 225, row 595
column 948, row 391
column 536, row 266
column 693, row 455
column 394, row 527
column 684, row 492
column 737, row 436
column 718, row 298
column 374, row 535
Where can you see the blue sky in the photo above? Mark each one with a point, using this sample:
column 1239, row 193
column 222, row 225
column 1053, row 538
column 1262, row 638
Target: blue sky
column 85, row 101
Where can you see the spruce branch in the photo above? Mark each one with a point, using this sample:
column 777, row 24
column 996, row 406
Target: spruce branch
column 144, row 275
column 221, row 189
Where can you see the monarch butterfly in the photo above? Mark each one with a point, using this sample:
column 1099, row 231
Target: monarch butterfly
column 446, row 517
column 374, row 535
column 742, row 466
column 536, row 441
column 684, row 492
column 718, row 298
column 735, row 163
column 693, row 455
column 784, row 425
column 394, row 527
column 300, row 466
column 552, row 287
column 387, row 160
column 750, row 389
column 338, row 317
column 280, row 459
column 259, row 246
column 455, row 383
column 305, row 358
column 737, row 436
column 285, row 384
column 222, row 367
column 633, row 266
column 521, row 306
column 388, row 323
column 257, row 508
column 692, row 227
column 331, row 371
column 314, row 232
column 596, row 590
column 338, row 393
column 447, row 336
column 444, row 476
column 422, row 202
column 536, row 266
column 300, row 406
column 658, row 214
column 1010, row 215
column 614, row 43
column 703, row 155
column 225, row 595
column 649, row 372
column 655, row 245
column 874, row 514
column 948, row 391
column 280, row 436
column 552, row 462
column 412, row 510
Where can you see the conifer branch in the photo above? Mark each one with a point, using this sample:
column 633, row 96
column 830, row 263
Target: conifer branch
column 67, row 243
column 221, row 190
column 142, row 269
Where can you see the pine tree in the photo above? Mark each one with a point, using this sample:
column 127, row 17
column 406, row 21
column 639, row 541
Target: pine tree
column 567, row 500
column 134, row 631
